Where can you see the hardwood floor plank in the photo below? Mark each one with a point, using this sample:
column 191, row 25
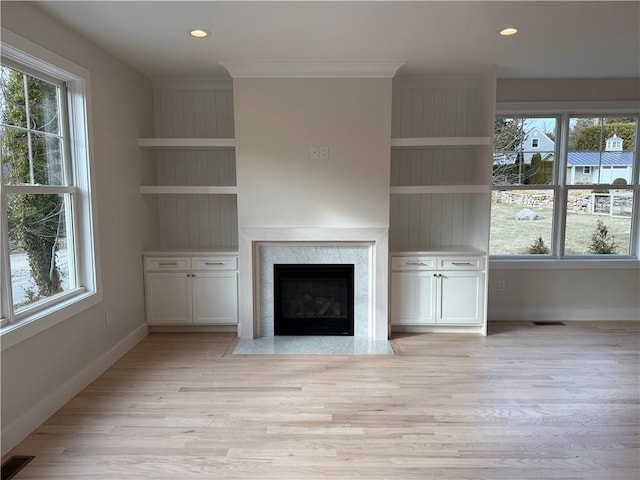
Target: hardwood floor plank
column 527, row 402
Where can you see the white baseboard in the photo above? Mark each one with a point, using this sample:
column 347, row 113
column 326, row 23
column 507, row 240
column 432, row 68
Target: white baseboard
column 561, row 314
column 194, row 328
column 15, row 432
column 437, row 329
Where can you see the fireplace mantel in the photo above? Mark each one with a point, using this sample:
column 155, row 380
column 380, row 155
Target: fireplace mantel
column 251, row 239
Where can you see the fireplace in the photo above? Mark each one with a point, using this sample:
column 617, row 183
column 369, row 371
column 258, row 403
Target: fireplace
column 367, row 249
column 313, row 299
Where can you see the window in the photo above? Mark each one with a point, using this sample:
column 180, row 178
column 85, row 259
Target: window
column 534, row 143
column 524, row 194
column 48, row 270
column 575, row 200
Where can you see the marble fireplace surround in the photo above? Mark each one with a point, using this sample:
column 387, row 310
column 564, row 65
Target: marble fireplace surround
column 366, row 248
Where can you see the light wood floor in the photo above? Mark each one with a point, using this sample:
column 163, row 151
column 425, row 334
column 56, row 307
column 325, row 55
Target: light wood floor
column 526, row 402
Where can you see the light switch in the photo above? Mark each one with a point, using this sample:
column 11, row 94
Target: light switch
column 315, row 152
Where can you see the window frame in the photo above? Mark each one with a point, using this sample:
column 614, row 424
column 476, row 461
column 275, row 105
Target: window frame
column 557, row 258
column 38, row 61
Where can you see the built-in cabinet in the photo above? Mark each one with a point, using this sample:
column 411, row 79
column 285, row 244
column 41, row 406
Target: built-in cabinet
column 437, row 290
column 194, row 191
column 191, row 290
column 441, row 157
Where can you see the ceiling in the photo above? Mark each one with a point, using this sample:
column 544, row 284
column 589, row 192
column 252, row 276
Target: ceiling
column 556, row 39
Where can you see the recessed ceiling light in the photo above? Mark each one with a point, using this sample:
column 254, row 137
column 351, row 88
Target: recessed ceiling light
column 199, row 33
column 505, row 32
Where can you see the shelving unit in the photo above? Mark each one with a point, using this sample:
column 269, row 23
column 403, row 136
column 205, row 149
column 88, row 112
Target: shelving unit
column 188, row 190
column 184, row 143
column 441, row 163
column 439, row 142
column 191, row 274
column 194, row 157
column 431, row 189
column 441, row 156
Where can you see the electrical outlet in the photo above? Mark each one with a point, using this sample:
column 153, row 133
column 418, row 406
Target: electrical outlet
column 319, row 152
column 501, row 286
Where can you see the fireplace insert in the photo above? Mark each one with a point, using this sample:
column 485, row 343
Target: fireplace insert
column 313, row 299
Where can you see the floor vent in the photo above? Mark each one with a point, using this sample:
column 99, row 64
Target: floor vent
column 548, row 323
column 12, row 466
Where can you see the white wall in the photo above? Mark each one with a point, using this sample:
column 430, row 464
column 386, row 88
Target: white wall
column 566, row 293
column 278, row 120
column 44, row 371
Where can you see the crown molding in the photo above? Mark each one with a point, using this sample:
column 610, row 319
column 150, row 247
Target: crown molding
column 312, row 70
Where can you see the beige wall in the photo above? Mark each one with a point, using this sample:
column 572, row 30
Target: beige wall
column 565, row 294
column 568, row 90
column 277, row 122
column 38, row 370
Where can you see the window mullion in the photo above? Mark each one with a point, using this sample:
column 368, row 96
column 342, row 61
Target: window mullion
column 560, row 214
column 635, row 177
column 32, row 177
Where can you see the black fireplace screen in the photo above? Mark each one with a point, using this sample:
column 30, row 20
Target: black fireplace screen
column 312, row 299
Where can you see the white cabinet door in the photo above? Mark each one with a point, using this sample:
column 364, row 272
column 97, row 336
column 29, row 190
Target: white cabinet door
column 413, row 297
column 168, row 298
column 215, row 297
column 460, row 297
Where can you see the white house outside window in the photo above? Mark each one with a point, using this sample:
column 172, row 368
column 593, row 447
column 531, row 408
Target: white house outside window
column 48, row 269
column 576, row 197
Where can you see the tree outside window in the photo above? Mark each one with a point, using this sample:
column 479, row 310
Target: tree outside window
column 37, row 197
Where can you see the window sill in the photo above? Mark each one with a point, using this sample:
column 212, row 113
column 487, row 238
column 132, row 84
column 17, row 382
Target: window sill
column 579, row 263
column 37, row 322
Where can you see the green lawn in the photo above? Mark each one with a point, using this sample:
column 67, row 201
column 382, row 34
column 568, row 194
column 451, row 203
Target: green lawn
column 510, row 236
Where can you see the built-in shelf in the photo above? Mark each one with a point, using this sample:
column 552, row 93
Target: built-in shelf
column 422, row 189
column 440, row 142
column 191, row 190
column 187, row 142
